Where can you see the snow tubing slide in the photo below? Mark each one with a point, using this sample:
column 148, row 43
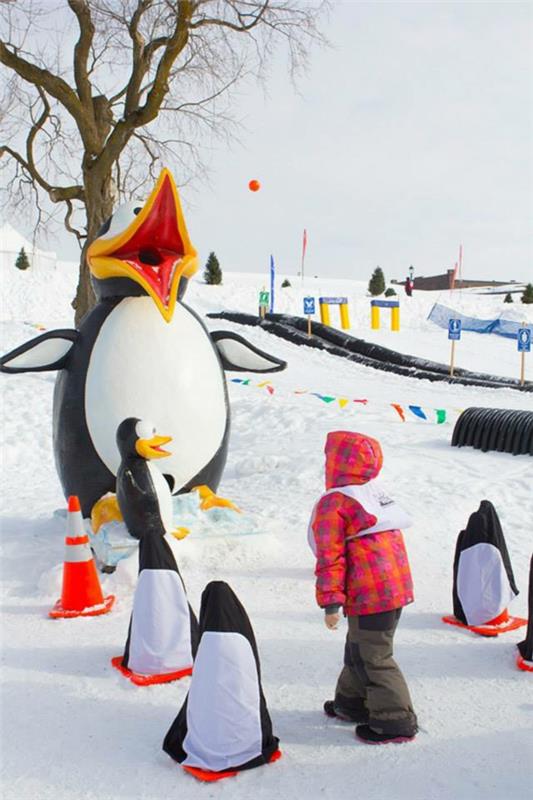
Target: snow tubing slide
column 501, row 429
column 294, row 329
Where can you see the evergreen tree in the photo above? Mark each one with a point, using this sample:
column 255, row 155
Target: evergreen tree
column 376, row 284
column 285, row 283
column 22, row 261
column 212, row 272
column 508, row 298
column 390, row 292
column 527, row 297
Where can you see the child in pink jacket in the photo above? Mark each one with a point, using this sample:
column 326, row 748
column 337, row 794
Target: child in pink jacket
column 362, row 565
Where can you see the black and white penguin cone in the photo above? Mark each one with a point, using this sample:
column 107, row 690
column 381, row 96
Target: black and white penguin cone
column 163, row 633
column 483, row 581
column 223, row 726
column 525, row 648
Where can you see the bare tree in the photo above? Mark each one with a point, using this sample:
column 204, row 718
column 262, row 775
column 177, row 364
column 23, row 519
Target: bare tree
column 99, row 92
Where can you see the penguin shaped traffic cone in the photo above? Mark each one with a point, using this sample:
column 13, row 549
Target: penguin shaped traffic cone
column 483, row 581
column 163, row 632
column 81, row 595
column 525, row 649
column 224, row 726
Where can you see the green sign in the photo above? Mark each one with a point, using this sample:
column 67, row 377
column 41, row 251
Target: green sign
column 264, row 298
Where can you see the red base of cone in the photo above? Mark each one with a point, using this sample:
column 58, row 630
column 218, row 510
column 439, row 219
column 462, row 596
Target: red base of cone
column 209, row 776
column 149, row 680
column 521, row 663
column 492, row 628
column 58, row 612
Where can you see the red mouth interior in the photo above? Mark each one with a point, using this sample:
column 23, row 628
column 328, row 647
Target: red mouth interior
column 156, row 247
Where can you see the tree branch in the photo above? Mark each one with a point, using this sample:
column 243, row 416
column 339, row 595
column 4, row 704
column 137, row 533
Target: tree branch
column 82, row 50
column 53, row 84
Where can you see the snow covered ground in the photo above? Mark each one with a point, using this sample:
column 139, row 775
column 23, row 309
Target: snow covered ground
column 74, row 729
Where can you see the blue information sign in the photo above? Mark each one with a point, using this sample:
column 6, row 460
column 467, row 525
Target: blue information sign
column 524, row 340
column 309, row 305
column 454, row 329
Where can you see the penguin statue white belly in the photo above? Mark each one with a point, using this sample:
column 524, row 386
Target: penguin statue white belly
column 140, row 352
column 169, row 372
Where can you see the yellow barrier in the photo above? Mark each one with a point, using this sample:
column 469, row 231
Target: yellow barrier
column 394, row 306
column 342, row 302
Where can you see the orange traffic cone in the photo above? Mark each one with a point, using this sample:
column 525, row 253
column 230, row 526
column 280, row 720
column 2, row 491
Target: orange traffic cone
column 81, row 595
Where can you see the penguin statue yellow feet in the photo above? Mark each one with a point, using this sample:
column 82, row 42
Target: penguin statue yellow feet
column 140, row 352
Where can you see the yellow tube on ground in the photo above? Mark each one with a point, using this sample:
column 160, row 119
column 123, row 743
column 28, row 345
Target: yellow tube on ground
column 345, row 318
column 324, row 314
column 374, row 317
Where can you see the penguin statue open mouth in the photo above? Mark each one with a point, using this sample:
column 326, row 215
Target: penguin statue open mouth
column 140, row 352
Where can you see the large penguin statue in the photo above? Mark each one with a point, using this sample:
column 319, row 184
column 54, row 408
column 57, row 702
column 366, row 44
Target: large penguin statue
column 223, row 726
column 140, row 352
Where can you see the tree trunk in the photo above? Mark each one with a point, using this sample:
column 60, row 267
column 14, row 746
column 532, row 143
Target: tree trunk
column 100, row 197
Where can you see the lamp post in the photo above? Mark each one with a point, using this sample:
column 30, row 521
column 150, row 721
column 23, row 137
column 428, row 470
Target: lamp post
column 411, row 271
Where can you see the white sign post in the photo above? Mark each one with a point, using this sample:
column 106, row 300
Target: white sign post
column 524, row 346
column 454, row 333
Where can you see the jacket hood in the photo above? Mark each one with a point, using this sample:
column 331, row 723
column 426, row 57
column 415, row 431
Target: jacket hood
column 351, row 458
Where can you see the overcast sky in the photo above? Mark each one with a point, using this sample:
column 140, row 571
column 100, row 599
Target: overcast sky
column 412, row 134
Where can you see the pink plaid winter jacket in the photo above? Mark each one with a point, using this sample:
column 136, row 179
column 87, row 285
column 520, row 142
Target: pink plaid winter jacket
column 368, row 574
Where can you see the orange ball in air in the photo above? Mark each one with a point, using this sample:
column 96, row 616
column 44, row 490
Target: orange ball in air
column 254, row 186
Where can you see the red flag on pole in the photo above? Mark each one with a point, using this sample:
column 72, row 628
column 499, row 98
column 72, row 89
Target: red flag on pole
column 453, row 276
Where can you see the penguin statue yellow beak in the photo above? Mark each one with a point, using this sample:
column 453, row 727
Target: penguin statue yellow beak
column 154, row 250
column 151, row 448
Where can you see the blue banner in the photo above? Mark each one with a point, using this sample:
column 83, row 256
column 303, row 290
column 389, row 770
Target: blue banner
column 441, row 315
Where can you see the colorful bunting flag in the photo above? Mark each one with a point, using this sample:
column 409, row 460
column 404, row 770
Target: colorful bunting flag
column 399, row 409
column 417, row 411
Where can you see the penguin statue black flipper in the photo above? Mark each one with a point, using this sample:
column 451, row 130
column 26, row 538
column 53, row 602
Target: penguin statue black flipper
column 224, row 726
column 483, row 580
column 525, row 648
column 163, row 632
column 48, row 352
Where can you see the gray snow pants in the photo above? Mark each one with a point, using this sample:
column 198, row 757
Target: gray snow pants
column 371, row 680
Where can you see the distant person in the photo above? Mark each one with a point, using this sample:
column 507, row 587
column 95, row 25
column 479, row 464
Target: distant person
column 409, row 286
column 362, row 565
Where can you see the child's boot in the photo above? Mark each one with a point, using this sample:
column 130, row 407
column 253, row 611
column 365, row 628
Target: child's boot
column 370, row 736
column 346, row 709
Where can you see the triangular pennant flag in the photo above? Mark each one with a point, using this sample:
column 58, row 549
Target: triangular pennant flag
column 265, row 383
column 270, row 389
column 441, row 415
column 343, row 401
column 301, row 391
column 417, row 411
column 364, row 402
column 246, row 382
column 236, row 380
column 399, row 409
